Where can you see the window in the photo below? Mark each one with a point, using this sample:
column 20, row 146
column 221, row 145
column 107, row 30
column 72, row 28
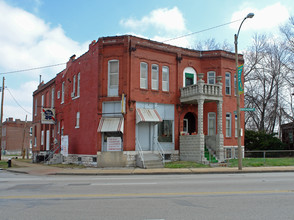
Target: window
column 228, row 83
column 78, row 120
column 165, row 131
column 31, row 143
column 228, row 125
column 35, row 139
column 189, row 79
column 144, row 76
column 58, row 127
column 113, row 77
column 36, row 106
column 211, row 77
column 52, row 98
column 165, row 78
column 185, row 125
column 154, row 84
column 73, row 87
column 78, row 85
column 62, row 92
column 31, row 131
column 236, row 126
column 211, row 123
column 235, row 84
column 42, row 137
column 42, row 102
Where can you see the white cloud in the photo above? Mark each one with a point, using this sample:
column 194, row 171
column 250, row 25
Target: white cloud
column 266, row 18
column 163, row 24
column 28, row 42
column 169, row 20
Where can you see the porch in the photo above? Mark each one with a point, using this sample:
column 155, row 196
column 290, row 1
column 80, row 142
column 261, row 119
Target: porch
column 192, row 147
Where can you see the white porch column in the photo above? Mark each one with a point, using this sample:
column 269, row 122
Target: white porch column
column 220, row 117
column 220, row 137
column 200, row 115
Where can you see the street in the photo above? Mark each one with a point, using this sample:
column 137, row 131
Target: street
column 207, row 196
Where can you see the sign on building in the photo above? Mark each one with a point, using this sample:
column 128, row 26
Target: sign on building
column 64, row 145
column 113, row 144
column 48, row 116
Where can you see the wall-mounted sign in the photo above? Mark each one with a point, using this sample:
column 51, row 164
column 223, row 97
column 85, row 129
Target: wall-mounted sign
column 113, row 144
column 48, row 116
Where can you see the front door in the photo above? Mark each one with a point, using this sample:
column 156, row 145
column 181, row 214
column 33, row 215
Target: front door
column 144, row 136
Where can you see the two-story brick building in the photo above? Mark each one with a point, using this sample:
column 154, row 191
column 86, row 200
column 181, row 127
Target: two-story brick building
column 127, row 96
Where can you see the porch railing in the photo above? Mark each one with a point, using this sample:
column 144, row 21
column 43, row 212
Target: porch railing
column 160, row 149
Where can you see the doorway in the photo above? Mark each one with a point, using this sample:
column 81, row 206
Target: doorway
column 189, row 123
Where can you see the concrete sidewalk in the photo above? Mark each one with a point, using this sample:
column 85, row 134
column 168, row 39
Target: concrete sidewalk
column 40, row 169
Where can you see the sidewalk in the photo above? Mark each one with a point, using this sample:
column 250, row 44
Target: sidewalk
column 40, row 169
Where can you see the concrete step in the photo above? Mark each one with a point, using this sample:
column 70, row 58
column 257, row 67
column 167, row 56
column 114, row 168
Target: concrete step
column 152, row 161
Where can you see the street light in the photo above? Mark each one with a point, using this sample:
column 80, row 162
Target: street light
column 240, row 152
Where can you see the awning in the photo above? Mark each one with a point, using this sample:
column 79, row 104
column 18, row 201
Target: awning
column 147, row 115
column 111, row 125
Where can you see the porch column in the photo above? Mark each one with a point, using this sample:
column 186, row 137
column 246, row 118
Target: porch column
column 200, row 115
column 220, row 137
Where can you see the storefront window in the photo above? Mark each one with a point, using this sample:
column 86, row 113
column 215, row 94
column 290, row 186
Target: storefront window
column 165, row 131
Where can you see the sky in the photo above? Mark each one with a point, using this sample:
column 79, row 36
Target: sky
column 45, row 33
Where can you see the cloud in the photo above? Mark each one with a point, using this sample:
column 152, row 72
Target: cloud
column 266, row 18
column 169, row 20
column 163, row 24
column 28, row 42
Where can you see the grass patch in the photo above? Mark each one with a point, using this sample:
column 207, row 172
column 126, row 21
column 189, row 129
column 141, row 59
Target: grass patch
column 3, row 164
column 261, row 162
column 184, row 164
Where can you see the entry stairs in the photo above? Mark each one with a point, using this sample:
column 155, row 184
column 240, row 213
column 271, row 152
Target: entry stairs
column 150, row 160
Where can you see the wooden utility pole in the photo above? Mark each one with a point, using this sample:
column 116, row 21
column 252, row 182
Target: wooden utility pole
column 23, row 150
column 1, row 117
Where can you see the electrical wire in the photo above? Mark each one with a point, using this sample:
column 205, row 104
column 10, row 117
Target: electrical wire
column 17, row 102
column 35, row 68
column 197, row 32
column 175, row 38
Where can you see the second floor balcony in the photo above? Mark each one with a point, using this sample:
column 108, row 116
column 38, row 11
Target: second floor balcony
column 207, row 92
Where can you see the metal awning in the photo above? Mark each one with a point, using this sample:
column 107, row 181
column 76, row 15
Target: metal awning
column 111, row 125
column 147, row 115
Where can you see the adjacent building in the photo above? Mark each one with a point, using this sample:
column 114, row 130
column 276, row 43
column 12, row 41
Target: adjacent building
column 127, row 97
column 16, row 136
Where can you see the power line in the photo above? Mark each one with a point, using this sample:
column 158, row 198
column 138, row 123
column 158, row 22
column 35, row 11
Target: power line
column 35, row 68
column 186, row 35
column 17, row 102
column 197, row 32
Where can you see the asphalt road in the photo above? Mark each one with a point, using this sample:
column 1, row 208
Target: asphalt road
column 207, row 196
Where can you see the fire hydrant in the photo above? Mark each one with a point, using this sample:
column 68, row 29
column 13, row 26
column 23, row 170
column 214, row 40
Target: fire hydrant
column 9, row 162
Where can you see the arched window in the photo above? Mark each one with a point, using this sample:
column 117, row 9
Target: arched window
column 189, row 76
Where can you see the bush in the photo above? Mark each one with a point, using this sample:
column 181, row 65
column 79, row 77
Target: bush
column 260, row 140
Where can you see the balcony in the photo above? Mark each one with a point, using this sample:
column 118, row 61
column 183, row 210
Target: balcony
column 201, row 90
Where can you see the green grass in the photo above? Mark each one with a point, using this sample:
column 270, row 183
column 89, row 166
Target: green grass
column 3, row 164
column 184, row 164
column 260, row 162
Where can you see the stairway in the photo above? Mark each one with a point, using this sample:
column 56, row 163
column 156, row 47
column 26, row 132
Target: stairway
column 151, row 160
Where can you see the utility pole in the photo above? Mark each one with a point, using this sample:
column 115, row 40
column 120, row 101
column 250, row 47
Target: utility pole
column 23, row 150
column 1, row 117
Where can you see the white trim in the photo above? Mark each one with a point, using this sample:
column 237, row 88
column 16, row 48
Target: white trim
column 191, row 71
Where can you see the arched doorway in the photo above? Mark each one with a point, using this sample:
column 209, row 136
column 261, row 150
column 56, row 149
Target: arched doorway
column 189, row 123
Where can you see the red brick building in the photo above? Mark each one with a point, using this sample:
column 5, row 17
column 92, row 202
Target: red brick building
column 127, row 96
column 16, row 135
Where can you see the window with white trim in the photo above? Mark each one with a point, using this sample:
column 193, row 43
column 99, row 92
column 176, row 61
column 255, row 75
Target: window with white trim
column 113, row 77
column 236, row 126
column 73, row 86
column 235, row 84
column 62, row 92
column 228, row 125
column 165, row 79
column 143, row 75
column 78, row 85
column 52, row 98
column 211, row 123
column 42, row 137
column 154, row 74
column 42, row 102
column 78, row 120
column 211, row 77
column 228, row 83
column 36, row 106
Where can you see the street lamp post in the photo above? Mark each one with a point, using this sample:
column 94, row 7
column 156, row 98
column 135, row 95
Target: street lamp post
column 240, row 152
